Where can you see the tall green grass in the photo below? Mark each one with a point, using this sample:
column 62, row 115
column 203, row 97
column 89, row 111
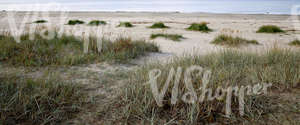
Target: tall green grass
column 41, row 101
column 232, row 41
column 68, row 50
column 270, row 29
column 229, row 68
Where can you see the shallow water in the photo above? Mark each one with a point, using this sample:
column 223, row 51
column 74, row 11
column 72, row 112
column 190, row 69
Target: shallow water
column 212, row 6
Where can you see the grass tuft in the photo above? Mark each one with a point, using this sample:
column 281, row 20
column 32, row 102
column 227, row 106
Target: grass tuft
column 97, row 23
column 125, row 24
column 228, row 68
column 199, row 27
column 40, row 21
column 75, row 22
column 43, row 101
column 232, row 41
column 174, row 37
column 159, row 25
column 270, row 29
column 295, row 43
column 68, row 50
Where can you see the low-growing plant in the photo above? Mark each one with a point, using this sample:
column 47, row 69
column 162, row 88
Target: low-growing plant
column 68, row 50
column 41, row 101
column 232, row 41
column 75, row 22
column 269, row 29
column 199, row 27
column 295, row 43
column 159, row 25
column 228, row 68
column 97, row 23
column 174, row 37
column 125, row 24
column 40, row 21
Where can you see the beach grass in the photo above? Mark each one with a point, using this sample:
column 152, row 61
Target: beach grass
column 38, row 101
column 232, row 41
column 295, row 43
column 75, row 22
column 228, row 68
column 40, row 21
column 69, row 50
column 125, row 24
column 202, row 27
column 158, row 25
column 174, row 37
column 97, row 22
column 270, row 29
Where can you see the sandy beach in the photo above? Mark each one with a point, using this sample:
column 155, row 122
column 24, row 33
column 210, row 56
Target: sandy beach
column 241, row 25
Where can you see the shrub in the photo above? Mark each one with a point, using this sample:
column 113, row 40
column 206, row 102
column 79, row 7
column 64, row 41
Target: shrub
column 97, row 23
column 295, row 43
column 125, row 24
column 40, row 21
column 75, row 22
column 232, row 41
column 269, row 29
column 199, row 27
column 158, row 25
column 174, row 37
column 43, row 101
column 228, row 68
column 68, row 50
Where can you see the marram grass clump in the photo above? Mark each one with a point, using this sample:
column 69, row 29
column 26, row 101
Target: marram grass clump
column 232, row 41
column 97, row 23
column 202, row 27
column 174, row 37
column 228, row 69
column 41, row 101
column 68, row 50
column 40, row 21
column 295, row 43
column 270, row 29
column 158, row 25
column 125, row 24
column 75, row 22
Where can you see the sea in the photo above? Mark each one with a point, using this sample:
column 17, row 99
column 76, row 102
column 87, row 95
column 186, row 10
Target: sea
column 183, row 6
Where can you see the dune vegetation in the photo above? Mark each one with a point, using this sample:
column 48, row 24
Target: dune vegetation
column 125, row 24
column 97, row 22
column 228, row 68
column 75, row 22
column 174, row 37
column 270, row 29
column 202, row 27
column 158, row 25
column 68, row 50
column 232, row 41
column 295, row 43
column 40, row 21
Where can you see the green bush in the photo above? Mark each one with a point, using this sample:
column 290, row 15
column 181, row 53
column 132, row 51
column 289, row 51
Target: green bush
column 125, row 24
column 40, row 21
column 75, row 22
column 269, row 29
column 158, row 25
column 232, row 41
column 97, row 23
column 199, row 27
